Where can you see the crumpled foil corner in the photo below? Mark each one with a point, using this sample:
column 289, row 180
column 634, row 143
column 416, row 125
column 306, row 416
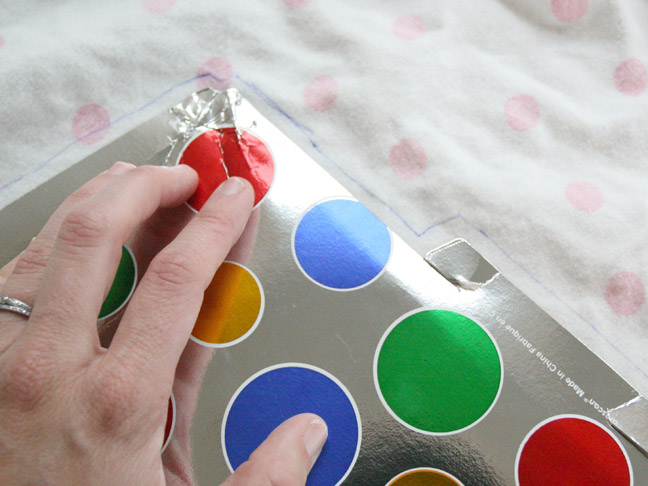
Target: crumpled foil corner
column 202, row 111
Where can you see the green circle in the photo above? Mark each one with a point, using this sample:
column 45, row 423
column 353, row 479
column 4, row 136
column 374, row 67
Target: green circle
column 438, row 371
column 122, row 286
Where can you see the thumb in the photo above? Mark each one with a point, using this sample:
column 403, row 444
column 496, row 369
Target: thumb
column 286, row 456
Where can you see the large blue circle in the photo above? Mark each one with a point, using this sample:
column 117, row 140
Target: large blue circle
column 342, row 245
column 280, row 393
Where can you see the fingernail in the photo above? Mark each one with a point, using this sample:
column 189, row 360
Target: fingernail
column 232, row 186
column 120, row 168
column 314, row 438
column 179, row 167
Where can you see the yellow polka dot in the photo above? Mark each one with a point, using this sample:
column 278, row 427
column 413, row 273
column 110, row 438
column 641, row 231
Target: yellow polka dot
column 424, row 477
column 231, row 309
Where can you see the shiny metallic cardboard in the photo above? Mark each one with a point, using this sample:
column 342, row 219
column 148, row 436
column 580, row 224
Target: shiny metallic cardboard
column 547, row 372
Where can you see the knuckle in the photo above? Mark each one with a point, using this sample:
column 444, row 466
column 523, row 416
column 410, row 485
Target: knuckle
column 113, row 396
column 249, row 471
column 145, row 173
column 85, row 227
column 82, row 194
column 34, row 259
column 283, row 475
column 221, row 225
column 26, row 376
column 173, row 268
column 155, row 228
column 269, row 474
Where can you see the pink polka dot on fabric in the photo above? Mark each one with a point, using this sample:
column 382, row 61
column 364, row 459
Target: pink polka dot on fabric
column 90, row 124
column 522, row 112
column 320, row 94
column 631, row 77
column 408, row 159
column 218, row 73
column 2, row 41
column 409, row 27
column 295, row 4
column 625, row 293
column 158, row 6
column 584, row 196
column 568, row 10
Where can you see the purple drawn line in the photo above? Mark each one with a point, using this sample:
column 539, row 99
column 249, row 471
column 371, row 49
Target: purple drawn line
column 303, row 128
column 308, row 133
column 102, row 129
column 565, row 303
column 555, row 296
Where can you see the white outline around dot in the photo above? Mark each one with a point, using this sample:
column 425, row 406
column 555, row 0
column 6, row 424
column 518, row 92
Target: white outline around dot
column 272, row 156
column 391, row 327
column 321, row 371
column 173, row 422
column 575, row 416
column 247, row 333
column 107, row 317
column 319, row 284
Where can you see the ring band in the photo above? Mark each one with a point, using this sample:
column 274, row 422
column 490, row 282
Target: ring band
column 14, row 305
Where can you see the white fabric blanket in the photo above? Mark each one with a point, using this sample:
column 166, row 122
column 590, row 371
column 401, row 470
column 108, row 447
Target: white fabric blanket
column 518, row 125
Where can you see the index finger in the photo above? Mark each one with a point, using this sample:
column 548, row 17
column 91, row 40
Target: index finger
column 87, row 250
column 161, row 314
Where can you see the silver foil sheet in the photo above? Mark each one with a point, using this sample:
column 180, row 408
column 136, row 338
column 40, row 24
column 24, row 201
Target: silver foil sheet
column 546, row 371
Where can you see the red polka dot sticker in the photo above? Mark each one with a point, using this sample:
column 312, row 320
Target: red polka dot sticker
column 408, row 159
column 631, row 77
column 90, row 124
column 409, row 27
column 219, row 154
column 216, row 73
column 295, row 4
column 320, row 94
column 625, row 293
column 522, row 112
column 584, row 196
column 158, row 6
column 574, row 450
column 170, row 422
column 568, row 10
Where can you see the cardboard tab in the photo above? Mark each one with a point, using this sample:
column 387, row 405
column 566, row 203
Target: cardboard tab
column 462, row 265
column 631, row 419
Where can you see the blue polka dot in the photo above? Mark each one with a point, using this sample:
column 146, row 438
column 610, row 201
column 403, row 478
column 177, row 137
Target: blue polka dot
column 280, row 393
column 342, row 245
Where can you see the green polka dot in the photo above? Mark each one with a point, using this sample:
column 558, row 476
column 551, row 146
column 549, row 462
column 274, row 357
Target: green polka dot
column 122, row 285
column 438, row 371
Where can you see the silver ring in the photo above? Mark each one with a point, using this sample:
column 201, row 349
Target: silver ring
column 15, row 305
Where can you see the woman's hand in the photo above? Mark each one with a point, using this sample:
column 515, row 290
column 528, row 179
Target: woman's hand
column 72, row 412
